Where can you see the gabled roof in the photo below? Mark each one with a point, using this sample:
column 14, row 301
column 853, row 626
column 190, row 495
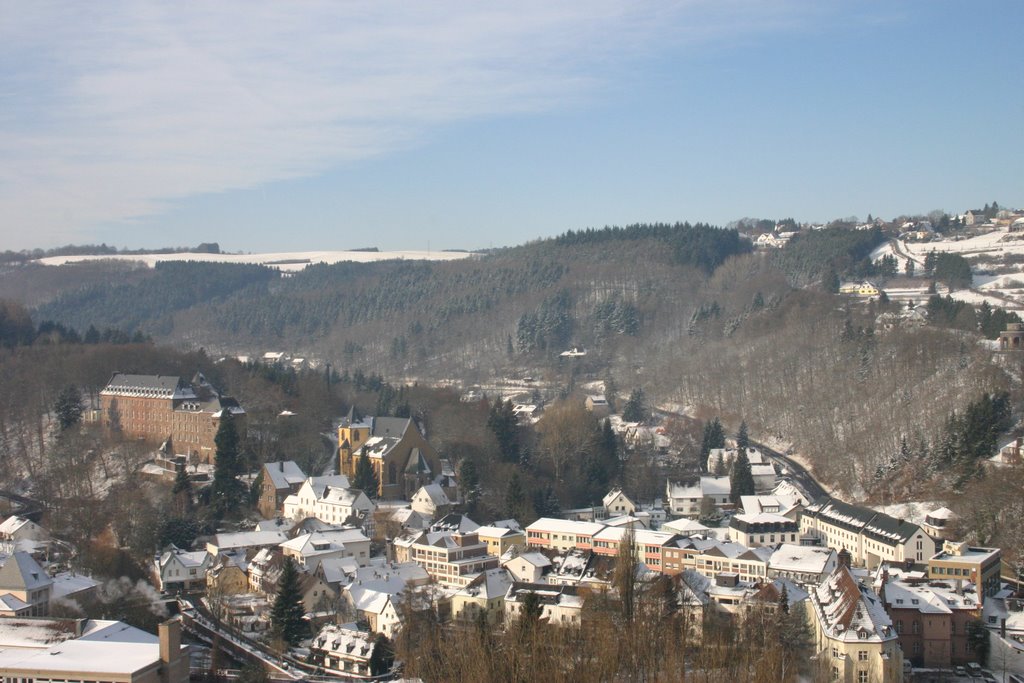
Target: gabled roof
column 455, row 522
column 21, row 572
column 417, row 464
column 488, row 584
column 434, row 493
column 847, row 610
column 539, row 560
column 284, row 473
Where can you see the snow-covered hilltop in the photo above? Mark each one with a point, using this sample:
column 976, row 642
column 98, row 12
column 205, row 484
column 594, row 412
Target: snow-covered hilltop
column 296, row 260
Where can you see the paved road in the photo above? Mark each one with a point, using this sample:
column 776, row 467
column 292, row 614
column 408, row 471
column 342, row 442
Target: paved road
column 796, row 472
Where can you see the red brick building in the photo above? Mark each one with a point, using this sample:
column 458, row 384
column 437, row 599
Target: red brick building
column 165, row 408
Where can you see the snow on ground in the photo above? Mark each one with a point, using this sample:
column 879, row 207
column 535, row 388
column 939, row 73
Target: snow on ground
column 291, row 261
column 1004, row 291
column 989, row 242
column 913, row 512
column 886, row 249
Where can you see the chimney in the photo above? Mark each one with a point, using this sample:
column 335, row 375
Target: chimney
column 280, row 465
column 174, row 660
column 844, row 558
column 170, row 640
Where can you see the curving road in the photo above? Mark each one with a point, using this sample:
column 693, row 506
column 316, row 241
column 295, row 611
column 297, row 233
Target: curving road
column 796, row 472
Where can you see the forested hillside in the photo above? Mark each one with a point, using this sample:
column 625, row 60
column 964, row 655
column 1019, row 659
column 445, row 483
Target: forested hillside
column 688, row 312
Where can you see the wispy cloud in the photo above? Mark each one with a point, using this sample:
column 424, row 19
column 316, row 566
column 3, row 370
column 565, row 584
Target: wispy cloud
column 108, row 111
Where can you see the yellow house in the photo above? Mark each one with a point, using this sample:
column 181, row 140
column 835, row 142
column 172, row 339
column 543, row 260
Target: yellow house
column 226, row 578
column 484, row 595
column 499, row 539
column 855, row 640
column 860, row 289
column 401, row 458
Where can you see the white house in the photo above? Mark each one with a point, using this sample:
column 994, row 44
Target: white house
column 803, row 564
column 335, row 504
column 431, row 501
column 616, row 503
column 16, row 528
column 308, row 549
column 685, row 501
column 343, row 650
column 528, row 567
column 177, row 569
column 560, row 605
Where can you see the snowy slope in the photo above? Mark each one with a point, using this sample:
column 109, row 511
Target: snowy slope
column 296, row 260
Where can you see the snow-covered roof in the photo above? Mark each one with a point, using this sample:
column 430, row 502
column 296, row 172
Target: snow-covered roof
column 345, row 640
column 564, row 526
column 488, row 584
column 324, row 540
column 801, row 558
column 496, row 532
column 715, row 486
column 48, row 645
column 284, row 473
column 640, row 536
column 684, row 526
column 539, row 560
column 779, row 504
column 12, row 524
column 188, row 559
column 849, row 611
column 434, row 493
column 942, row 513
column 69, row 583
column 933, row 597
column 246, row 539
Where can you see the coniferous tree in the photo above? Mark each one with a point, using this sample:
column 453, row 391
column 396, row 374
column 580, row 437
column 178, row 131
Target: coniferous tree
column 469, row 483
column 68, row 407
column 515, row 498
column 503, row 422
column 228, row 491
column 181, row 494
column 286, row 615
column 714, row 437
column 635, row 410
column 742, row 439
column 741, row 482
column 365, row 478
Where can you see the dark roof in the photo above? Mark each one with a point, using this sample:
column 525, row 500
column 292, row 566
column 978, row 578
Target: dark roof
column 389, row 426
column 875, row 525
column 417, row 463
column 158, row 382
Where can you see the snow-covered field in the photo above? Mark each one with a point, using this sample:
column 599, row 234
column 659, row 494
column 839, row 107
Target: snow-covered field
column 295, row 260
column 1005, row 290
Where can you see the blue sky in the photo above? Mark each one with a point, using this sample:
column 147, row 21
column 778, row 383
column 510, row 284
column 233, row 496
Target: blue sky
column 322, row 125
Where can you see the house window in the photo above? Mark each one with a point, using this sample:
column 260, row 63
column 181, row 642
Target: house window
column 862, row 655
column 914, row 626
column 862, row 677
